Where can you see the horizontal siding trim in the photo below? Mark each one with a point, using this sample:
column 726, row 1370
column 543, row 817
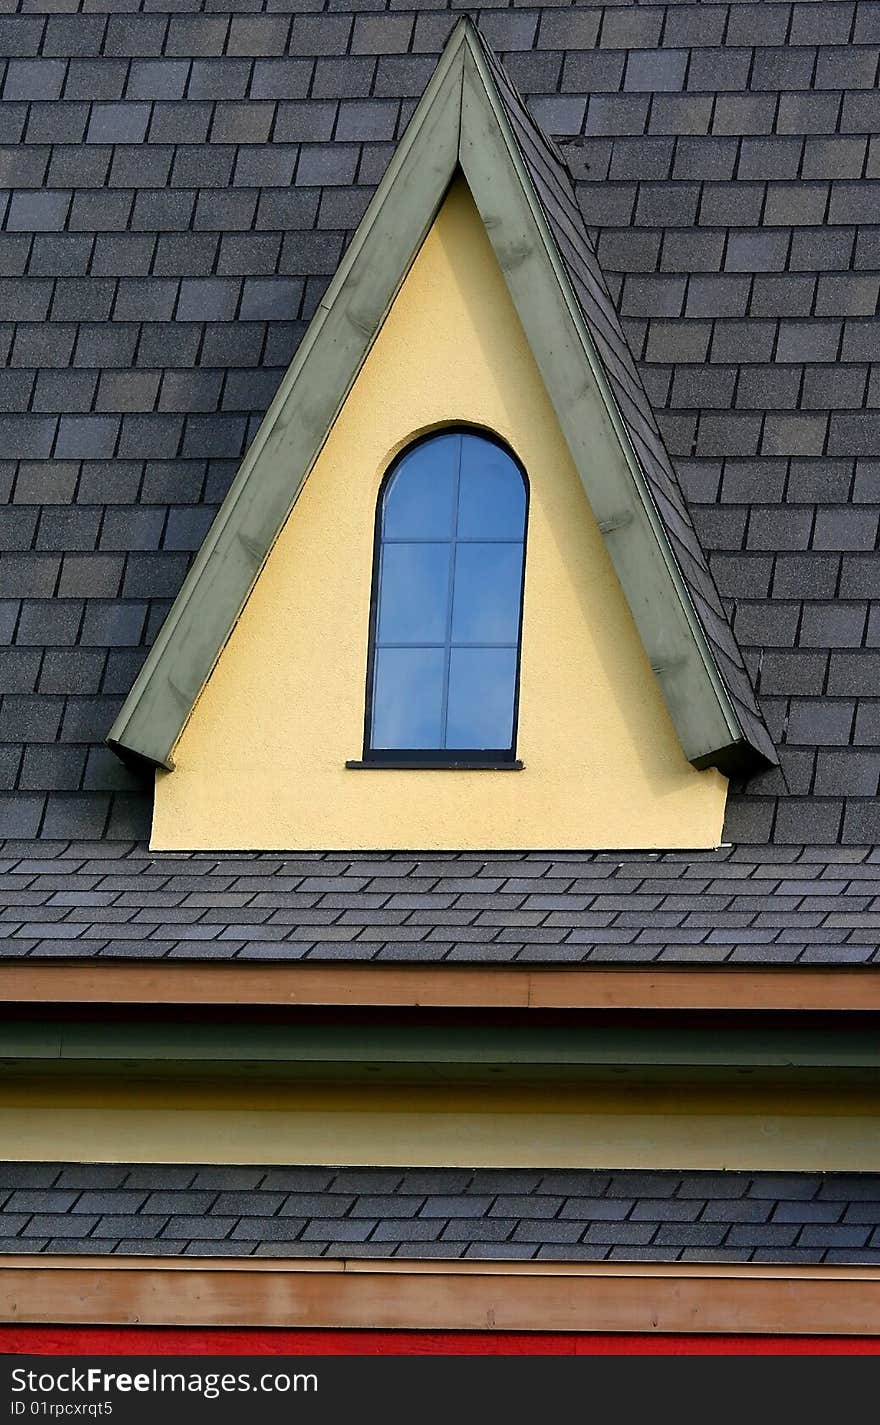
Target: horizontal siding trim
column 447, row 1296
column 500, row 987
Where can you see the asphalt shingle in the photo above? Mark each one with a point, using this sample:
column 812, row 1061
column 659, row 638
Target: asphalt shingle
column 726, row 151
column 578, row 1215
column 729, row 905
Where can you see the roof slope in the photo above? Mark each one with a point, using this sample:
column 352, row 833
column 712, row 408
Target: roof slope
column 470, row 119
column 117, row 900
column 501, row 1214
column 554, row 188
column 177, row 188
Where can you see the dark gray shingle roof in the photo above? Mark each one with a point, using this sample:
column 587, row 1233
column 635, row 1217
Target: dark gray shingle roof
column 179, row 187
column 782, row 905
column 574, row 1215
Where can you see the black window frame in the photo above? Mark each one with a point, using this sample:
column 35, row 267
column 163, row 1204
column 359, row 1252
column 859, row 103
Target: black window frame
column 501, row 759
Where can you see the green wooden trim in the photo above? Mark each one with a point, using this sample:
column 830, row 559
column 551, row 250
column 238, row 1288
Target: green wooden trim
column 297, row 423
column 323, row 1045
column 460, row 121
column 704, row 716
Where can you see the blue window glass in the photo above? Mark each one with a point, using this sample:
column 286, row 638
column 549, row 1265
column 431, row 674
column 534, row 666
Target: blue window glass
column 444, row 659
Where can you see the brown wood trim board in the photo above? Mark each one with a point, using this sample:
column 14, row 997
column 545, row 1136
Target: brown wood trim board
column 441, row 986
column 436, row 1295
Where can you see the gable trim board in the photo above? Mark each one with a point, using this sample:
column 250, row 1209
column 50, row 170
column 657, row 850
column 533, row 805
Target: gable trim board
column 469, row 120
column 522, row 1296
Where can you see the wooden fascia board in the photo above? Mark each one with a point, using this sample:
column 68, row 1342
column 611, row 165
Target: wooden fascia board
column 845, row 989
column 297, row 423
column 435, row 1295
column 704, row 715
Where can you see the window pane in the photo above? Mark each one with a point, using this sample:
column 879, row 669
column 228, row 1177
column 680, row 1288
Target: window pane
column 407, row 697
column 488, row 584
column 449, row 593
column 418, row 499
column 413, row 593
column 492, row 498
column 481, row 690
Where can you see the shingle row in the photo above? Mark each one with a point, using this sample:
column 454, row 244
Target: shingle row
column 578, row 1215
column 232, row 33
column 716, row 907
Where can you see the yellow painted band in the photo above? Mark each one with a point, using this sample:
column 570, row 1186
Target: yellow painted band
column 763, row 1128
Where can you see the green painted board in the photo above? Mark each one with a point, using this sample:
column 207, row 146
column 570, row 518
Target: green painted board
column 295, row 427
column 316, row 1045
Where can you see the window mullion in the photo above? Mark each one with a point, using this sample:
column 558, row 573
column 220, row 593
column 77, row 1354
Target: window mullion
column 450, row 597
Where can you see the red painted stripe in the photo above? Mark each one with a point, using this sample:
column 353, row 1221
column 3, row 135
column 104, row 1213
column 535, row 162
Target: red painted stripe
column 258, row 1341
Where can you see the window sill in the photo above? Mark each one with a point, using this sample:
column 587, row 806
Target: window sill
column 426, row 765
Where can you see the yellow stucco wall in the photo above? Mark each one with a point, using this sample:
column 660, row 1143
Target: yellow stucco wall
column 260, row 764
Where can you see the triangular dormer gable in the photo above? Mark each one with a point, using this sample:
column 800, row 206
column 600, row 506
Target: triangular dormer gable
column 471, row 122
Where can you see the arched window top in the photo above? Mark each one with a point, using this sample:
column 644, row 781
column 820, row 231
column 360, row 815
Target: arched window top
column 447, row 603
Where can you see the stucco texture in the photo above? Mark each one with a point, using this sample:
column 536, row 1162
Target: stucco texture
column 261, row 762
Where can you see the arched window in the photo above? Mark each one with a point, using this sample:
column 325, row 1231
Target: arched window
column 447, row 604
